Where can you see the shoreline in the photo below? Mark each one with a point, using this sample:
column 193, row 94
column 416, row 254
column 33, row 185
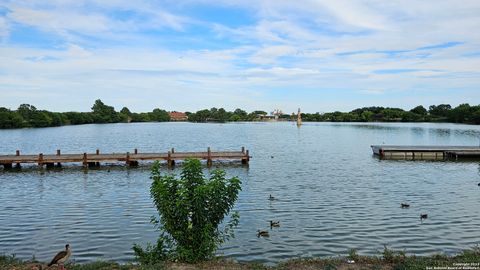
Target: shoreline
column 388, row 259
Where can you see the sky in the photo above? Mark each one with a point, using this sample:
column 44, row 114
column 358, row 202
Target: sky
column 186, row 55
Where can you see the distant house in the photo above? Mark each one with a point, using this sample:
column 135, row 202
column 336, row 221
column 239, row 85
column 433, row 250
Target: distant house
column 178, row 116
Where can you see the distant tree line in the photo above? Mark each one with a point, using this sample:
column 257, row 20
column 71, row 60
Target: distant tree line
column 464, row 113
column 28, row 116
column 221, row 115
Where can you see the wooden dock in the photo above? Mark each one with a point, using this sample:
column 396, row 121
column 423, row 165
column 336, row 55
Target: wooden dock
column 409, row 152
column 130, row 159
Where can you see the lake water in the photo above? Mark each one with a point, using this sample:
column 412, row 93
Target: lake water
column 333, row 194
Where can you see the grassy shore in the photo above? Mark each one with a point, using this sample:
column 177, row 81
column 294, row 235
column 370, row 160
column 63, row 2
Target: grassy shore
column 389, row 259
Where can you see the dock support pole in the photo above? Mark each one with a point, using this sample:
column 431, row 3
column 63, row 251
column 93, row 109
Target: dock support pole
column 129, row 162
column 135, row 151
column 209, row 157
column 40, row 160
column 97, row 152
column 173, row 160
column 7, row 165
column 169, row 159
column 246, row 159
column 85, row 160
column 58, row 154
column 243, row 149
column 17, row 153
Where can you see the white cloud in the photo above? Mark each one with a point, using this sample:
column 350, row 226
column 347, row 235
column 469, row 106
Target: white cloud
column 316, row 45
column 4, row 28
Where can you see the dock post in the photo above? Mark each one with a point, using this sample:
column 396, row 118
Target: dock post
column 169, row 159
column 209, row 157
column 17, row 153
column 246, row 159
column 7, row 165
column 173, row 160
column 40, row 160
column 243, row 149
column 129, row 162
column 135, row 151
column 58, row 154
column 97, row 152
column 85, row 160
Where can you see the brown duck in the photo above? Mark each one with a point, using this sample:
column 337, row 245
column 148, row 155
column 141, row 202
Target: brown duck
column 263, row 233
column 61, row 257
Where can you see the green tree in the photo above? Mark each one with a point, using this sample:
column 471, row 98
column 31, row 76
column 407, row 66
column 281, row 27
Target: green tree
column 476, row 115
column 366, row 116
column 125, row 115
column 78, row 118
column 235, row 118
column 103, row 113
column 125, row 111
column 10, row 119
column 159, row 115
column 41, row 119
column 191, row 209
column 461, row 114
column 242, row 115
column 420, row 110
column 140, row 117
column 441, row 110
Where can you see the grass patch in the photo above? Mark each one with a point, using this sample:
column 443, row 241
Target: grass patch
column 388, row 260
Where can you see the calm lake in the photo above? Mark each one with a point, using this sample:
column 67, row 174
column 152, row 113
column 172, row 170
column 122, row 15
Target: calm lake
column 333, row 194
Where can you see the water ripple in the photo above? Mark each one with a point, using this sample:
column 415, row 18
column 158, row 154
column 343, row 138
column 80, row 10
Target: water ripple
column 331, row 194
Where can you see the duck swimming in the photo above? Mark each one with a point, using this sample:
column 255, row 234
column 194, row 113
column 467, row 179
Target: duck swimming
column 262, row 233
column 271, row 198
column 274, row 223
column 405, row 205
column 423, row 216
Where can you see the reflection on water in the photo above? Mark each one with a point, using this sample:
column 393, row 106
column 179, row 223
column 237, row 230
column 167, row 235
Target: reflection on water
column 332, row 195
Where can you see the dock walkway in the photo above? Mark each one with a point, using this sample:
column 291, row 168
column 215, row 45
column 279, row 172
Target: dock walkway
column 131, row 159
column 415, row 152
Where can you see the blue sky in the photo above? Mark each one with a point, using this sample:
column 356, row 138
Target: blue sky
column 186, row 55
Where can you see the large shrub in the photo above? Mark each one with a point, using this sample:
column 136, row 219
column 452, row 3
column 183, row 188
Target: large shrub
column 191, row 210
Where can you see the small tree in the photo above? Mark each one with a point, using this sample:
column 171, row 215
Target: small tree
column 191, row 209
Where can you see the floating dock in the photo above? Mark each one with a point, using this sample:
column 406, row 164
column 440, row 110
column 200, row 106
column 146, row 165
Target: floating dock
column 131, row 159
column 410, row 152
